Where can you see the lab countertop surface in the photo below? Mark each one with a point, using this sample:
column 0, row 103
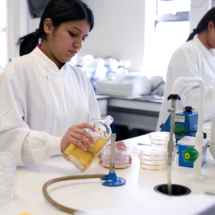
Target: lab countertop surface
column 102, row 96
column 146, row 98
column 137, row 196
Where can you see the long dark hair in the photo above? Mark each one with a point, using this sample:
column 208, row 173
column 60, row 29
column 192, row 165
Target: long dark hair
column 58, row 11
column 203, row 24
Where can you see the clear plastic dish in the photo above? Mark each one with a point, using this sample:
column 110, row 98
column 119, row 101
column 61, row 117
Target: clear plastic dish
column 6, row 192
column 122, row 166
column 156, row 153
column 7, row 174
column 137, row 148
column 207, row 129
column 8, row 177
column 153, row 151
column 154, row 163
column 153, row 158
column 7, row 169
column 160, row 138
column 8, row 181
column 6, row 199
column 158, row 158
column 6, row 159
column 121, row 157
column 164, row 145
column 118, row 163
column 118, row 152
column 9, row 188
column 153, row 167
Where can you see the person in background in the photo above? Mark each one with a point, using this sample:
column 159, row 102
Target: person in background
column 45, row 103
column 193, row 59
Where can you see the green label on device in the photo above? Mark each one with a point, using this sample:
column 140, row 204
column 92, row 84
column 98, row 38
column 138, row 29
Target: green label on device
column 179, row 128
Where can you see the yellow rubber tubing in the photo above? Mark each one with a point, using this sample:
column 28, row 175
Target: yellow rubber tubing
column 67, row 178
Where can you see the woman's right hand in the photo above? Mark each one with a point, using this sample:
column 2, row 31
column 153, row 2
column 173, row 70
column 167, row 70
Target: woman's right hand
column 76, row 135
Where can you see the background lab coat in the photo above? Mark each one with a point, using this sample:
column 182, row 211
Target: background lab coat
column 38, row 104
column 190, row 60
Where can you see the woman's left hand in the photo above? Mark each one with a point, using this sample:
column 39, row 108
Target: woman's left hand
column 119, row 145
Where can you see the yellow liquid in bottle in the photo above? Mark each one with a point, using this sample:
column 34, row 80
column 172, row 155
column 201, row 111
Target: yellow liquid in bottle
column 83, row 159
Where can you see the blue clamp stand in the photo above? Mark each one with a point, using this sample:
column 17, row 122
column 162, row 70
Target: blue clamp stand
column 111, row 179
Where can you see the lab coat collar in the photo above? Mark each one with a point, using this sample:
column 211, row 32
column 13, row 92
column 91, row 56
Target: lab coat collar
column 208, row 53
column 48, row 63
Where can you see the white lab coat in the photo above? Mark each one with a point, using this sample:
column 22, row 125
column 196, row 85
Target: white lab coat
column 38, row 104
column 190, row 60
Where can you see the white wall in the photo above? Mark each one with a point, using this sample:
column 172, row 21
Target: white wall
column 118, row 32
column 17, row 24
column 34, row 24
column 120, row 27
column 198, row 9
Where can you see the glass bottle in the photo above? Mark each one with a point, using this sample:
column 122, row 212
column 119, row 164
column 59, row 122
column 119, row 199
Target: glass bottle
column 83, row 159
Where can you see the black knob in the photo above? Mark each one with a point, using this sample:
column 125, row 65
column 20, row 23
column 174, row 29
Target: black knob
column 188, row 108
column 204, row 135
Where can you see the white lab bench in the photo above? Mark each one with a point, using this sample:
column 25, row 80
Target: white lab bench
column 137, row 194
column 134, row 113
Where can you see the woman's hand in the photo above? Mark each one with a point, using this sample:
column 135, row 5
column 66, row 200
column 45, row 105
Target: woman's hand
column 119, row 145
column 76, row 135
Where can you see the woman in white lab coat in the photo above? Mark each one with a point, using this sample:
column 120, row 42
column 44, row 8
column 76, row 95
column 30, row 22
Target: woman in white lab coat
column 44, row 101
column 193, row 59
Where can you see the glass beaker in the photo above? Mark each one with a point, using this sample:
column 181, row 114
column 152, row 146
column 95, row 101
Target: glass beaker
column 83, row 159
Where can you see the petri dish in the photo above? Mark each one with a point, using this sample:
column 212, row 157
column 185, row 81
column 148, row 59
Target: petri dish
column 207, row 129
column 156, row 163
column 164, row 145
column 6, row 198
column 8, row 177
column 153, row 158
column 153, row 151
column 121, row 157
column 124, row 158
column 119, row 152
column 160, row 138
column 6, row 159
column 153, row 167
column 136, row 149
column 118, row 165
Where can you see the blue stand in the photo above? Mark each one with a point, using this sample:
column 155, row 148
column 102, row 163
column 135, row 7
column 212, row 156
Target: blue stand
column 113, row 181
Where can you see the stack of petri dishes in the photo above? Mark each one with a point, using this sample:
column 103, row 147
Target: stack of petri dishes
column 121, row 157
column 153, row 158
column 160, row 139
column 8, row 177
